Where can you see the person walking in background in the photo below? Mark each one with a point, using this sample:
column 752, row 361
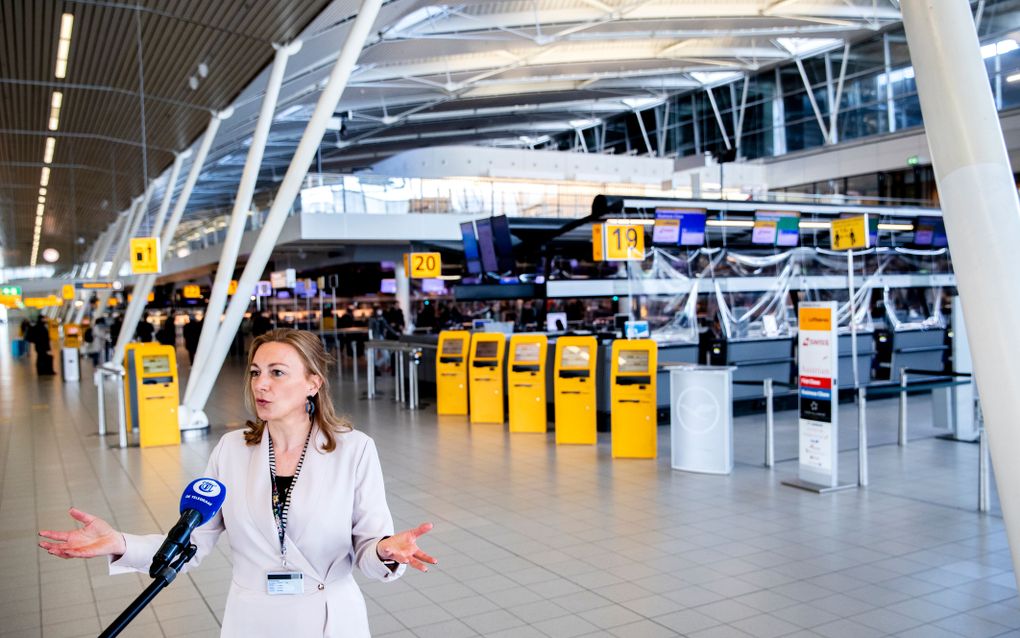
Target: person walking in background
column 39, row 335
column 144, row 331
column 192, row 333
column 167, row 333
column 96, row 348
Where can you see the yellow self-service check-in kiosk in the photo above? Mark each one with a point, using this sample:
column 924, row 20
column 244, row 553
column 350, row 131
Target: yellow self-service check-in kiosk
column 526, row 379
column 451, row 372
column 633, row 416
column 151, row 393
column 574, row 389
column 70, row 364
column 486, row 375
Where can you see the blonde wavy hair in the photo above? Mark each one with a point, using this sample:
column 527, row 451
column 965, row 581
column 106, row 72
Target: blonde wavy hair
column 316, row 362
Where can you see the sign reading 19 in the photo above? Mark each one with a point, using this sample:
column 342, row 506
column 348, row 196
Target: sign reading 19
column 625, row 242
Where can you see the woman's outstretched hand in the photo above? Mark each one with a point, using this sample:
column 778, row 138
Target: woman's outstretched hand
column 403, row 548
column 97, row 538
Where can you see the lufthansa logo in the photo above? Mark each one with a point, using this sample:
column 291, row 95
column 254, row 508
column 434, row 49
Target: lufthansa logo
column 207, row 488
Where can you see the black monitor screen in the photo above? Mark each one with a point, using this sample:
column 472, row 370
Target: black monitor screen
column 486, row 349
column 486, row 246
column 467, row 232
column 503, row 244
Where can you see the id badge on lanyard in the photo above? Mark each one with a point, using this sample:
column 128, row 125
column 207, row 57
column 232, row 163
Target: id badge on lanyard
column 283, row 582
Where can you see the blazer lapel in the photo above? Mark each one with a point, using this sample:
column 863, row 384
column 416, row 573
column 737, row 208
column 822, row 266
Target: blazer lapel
column 260, row 493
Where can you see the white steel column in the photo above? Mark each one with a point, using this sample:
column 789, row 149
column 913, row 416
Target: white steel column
column 982, row 216
column 168, row 193
column 404, row 295
column 191, row 414
column 235, row 232
column 130, row 224
column 144, row 283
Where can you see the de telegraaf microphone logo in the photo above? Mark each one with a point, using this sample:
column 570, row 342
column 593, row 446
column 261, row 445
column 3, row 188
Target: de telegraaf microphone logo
column 207, row 488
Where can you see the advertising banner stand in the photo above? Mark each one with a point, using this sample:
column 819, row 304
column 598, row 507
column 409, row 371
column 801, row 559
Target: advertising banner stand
column 818, row 366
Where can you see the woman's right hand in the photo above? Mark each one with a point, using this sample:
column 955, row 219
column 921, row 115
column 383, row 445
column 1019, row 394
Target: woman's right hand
column 97, row 538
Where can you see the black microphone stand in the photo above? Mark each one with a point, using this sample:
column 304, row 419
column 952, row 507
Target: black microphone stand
column 163, row 578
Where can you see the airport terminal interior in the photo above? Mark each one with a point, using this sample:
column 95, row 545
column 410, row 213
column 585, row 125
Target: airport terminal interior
column 672, row 317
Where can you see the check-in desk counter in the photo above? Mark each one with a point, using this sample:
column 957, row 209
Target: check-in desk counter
column 918, row 349
column 757, row 360
column 865, row 354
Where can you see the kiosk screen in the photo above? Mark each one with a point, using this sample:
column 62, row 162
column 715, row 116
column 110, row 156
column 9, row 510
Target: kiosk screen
column 575, row 357
column 156, row 364
column 526, row 353
column 632, row 361
column 486, row 349
column 453, row 347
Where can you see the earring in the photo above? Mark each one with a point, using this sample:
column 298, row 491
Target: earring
column 310, row 405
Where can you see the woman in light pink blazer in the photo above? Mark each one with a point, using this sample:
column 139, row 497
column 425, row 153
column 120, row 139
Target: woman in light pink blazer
column 336, row 518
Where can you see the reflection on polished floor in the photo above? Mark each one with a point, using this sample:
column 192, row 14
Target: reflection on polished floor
column 534, row 539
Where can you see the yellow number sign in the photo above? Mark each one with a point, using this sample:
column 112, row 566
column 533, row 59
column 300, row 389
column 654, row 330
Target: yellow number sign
column 191, row 291
column 624, row 242
column 850, row 233
column 67, row 292
column 423, row 265
column 144, row 255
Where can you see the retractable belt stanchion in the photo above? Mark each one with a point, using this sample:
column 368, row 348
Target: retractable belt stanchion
column 862, row 437
column 101, row 386
column 354, row 356
column 399, row 365
column 902, row 435
column 770, row 425
column 370, row 370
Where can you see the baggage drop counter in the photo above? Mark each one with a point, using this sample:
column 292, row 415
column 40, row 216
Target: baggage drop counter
column 485, row 374
column 451, row 373
column 151, row 393
column 526, row 383
column 574, row 394
column 633, row 412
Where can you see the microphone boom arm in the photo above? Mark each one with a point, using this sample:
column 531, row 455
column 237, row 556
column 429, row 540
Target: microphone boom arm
column 162, row 578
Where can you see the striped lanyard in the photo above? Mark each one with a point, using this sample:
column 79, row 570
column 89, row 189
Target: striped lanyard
column 282, row 506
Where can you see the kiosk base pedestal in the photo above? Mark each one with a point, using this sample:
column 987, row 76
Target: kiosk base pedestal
column 815, row 487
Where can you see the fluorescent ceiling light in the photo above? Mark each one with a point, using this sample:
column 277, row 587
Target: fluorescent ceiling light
column 39, row 209
column 641, row 103
column 42, row 199
column 807, row 46
column 731, row 223
column 42, row 191
column 904, row 226
column 1013, row 78
column 999, row 48
column 55, row 103
column 64, row 44
column 50, row 145
column 626, row 221
column 715, row 77
column 44, row 180
column 814, row 225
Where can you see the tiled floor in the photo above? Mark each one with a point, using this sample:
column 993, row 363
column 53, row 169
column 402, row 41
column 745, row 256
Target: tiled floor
column 534, row 539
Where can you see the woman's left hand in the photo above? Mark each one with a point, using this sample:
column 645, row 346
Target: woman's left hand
column 403, row 548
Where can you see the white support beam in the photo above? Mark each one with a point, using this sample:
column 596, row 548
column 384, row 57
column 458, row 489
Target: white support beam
column 144, row 283
column 982, row 217
column 835, row 106
column 168, row 193
column 718, row 117
column 285, row 196
column 811, row 98
column 239, row 214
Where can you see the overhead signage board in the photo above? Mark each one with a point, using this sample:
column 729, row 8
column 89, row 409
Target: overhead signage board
column 192, row 291
column 850, row 233
column 624, row 242
column 423, row 265
column 263, row 289
column 818, row 393
column 778, row 228
column 145, row 255
column 96, row 285
column 679, row 227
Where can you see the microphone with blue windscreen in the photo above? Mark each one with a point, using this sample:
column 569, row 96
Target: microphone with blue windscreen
column 200, row 502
